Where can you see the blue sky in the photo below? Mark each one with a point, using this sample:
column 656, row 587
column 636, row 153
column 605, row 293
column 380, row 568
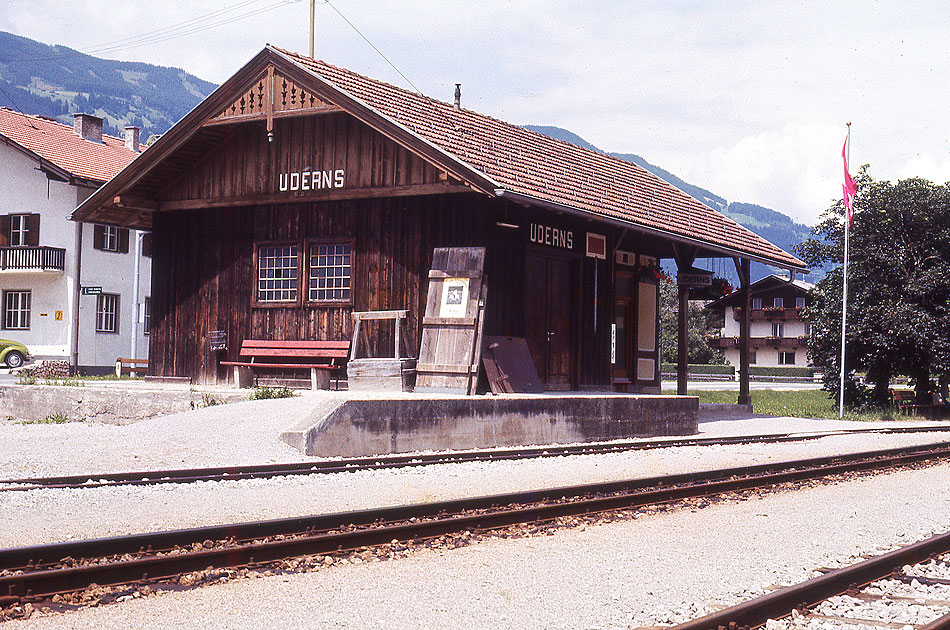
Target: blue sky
column 747, row 99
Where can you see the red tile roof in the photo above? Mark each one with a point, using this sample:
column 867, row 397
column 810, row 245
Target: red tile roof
column 58, row 144
column 529, row 163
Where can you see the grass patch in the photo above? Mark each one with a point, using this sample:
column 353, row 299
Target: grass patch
column 805, row 403
column 58, row 417
column 207, row 400
column 266, row 393
column 28, row 377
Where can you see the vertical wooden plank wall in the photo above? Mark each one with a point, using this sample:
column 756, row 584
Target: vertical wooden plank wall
column 203, row 275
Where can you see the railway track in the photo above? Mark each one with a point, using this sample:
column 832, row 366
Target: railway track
column 905, row 588
column 326, row 466
column 38, row 573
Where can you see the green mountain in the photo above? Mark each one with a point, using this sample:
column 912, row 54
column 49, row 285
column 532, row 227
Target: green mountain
column 770, row 224
column 56, row 81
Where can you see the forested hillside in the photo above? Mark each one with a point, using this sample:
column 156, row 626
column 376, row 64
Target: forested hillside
column 56, row 81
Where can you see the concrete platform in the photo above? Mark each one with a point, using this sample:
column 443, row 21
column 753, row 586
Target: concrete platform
column 356, row 425
column 112, row 402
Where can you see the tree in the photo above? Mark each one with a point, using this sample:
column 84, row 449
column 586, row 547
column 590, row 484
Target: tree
column 898, row 287
column 699, row 324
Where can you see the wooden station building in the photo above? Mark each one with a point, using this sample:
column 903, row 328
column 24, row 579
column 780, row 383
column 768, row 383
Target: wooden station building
column 299, row 192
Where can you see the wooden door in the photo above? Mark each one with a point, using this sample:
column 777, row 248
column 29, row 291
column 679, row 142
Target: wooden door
column 550, row 289
column 634, row 346
column 623, row 330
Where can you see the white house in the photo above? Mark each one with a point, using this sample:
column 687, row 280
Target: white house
column 68, row 291
column 778, row 335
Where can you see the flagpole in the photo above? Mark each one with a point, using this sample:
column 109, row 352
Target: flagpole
column 844, row 290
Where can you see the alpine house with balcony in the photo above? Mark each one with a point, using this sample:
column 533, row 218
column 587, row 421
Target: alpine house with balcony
column 778, row 334
column 67, row 290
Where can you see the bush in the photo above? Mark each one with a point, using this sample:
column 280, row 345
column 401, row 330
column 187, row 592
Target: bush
column 265, row 393
column 700, row 368
column 782, row 370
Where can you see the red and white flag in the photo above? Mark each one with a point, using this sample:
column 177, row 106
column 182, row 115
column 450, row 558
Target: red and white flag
column 849, row 188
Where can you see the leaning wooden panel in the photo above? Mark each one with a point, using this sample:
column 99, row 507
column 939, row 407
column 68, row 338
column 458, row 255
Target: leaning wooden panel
column 448, row 355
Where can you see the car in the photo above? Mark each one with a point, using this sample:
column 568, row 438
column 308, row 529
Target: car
column 13, row 353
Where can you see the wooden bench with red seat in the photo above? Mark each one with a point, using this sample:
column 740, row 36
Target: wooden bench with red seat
column 320, row 357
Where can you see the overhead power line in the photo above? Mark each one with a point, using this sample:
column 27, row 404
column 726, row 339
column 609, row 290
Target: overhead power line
column 205, row 22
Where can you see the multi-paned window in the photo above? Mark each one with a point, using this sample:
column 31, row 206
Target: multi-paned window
column 757, row 304
column 19, row 230
column 16, row 310
column 313, row 272
column 751, row 357
column 786, row 358
column 277, row 267
column 330, row 272
column 800, row 302
column 778, row 303
column 107, row 313
column 110, row 238
column 778, row 329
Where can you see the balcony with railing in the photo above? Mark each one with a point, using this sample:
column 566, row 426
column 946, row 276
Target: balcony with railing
column 32, row 259
column 759, row 342
column 769, row 313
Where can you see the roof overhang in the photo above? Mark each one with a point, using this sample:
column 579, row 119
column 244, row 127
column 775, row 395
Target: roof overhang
column 724, row 252
column 118, row 196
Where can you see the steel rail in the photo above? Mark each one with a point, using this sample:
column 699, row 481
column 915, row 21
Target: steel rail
column 781, row 603
column 942, row 623
column 249, row 543
column 383, row 462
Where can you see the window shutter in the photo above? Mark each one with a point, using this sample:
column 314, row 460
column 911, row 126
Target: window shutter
column 4, row 230
column 99, row 236
column 33, row 229
column 124, row 240
column 147, row 245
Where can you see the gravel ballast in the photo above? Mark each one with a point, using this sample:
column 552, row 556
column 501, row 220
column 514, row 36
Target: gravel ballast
column 656, row 569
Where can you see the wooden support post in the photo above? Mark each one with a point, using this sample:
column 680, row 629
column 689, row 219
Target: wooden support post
column 243, row 377
column 744, row 269
column 682, row 342
column 685, row 256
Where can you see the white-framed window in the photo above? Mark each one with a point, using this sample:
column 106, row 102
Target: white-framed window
column 16, row 310
column 19, row 229
column 107, row 313
column 110, row 238
column 807, row 329
column 756, row 304
column 778, row 302
column 277, row 273
column 778, row 329
column 331, row 272
column 799, row 302
column 147, row 315
column 786, row 358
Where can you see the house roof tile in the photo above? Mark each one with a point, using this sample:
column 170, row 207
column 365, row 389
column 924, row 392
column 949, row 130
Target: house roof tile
column 535, row 165
column 59, row 145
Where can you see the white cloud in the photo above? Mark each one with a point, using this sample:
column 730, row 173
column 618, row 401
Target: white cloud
column 927, row 166
column 745, row 98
